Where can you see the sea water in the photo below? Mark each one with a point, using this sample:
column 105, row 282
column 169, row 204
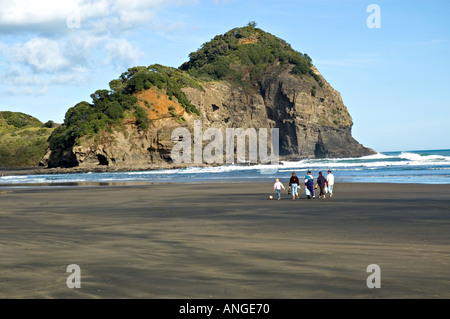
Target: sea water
column 423, row 167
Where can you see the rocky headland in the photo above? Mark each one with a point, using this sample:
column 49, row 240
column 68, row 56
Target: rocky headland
column 246, row 78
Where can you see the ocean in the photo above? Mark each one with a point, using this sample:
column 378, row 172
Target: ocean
column 422, row 167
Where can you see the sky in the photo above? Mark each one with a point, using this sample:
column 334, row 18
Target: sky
column 388, row 59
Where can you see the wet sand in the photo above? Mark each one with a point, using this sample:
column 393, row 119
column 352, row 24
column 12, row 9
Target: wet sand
column 224, row 241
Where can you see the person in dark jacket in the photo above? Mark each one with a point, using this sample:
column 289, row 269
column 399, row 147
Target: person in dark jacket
column 322, row 182
column 294, row 184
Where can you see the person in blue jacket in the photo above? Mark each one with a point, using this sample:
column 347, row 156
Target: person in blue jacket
column 309, row 184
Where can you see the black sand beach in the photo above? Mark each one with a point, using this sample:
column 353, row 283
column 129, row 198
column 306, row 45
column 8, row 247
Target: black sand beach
column 224, row 241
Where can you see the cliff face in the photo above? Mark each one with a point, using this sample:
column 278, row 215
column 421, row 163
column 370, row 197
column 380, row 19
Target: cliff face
column 312, row 120
column 126, row 148
column 311, row 125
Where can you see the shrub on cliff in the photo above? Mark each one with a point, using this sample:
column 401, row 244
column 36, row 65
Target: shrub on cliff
column 245, row 52
column 87, row 119
column 169, row 79
column 108, row 107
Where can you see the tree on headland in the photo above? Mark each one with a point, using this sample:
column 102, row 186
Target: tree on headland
column 243, row 55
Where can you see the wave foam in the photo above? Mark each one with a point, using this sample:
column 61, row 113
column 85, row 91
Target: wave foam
column 423, row 157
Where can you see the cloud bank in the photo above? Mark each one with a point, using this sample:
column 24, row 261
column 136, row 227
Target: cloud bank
column 54, row 42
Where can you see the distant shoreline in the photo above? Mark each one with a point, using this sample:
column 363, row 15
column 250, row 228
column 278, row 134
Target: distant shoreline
column 423, row 167
column 98, row 169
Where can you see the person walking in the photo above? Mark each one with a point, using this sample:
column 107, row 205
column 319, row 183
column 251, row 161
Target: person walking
column 321, row 181
column 278, row 186
column 294, row 185
column 309, row 185
column 330, row 183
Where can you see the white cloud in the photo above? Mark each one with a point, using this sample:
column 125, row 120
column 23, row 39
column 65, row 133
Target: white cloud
column 23, row 12
column 17, row 76
column 121, row 53
column 53, row 45
column 42, row 54
column 29, row 15
column 25, row 90
column 135, row 12
column 76, row 76
column 20, row 80
column 3, row 48
column 41, row 62
column 40, row 48
column 51, row 16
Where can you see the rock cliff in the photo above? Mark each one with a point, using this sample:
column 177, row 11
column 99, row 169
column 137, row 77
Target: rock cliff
column 311, row 125
column 285, row 93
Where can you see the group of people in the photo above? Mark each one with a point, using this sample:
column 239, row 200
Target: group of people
column 325, row 184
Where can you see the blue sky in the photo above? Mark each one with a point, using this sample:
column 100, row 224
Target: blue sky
column 393, row 79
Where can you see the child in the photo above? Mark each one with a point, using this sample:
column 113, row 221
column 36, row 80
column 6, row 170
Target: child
column 277, row 186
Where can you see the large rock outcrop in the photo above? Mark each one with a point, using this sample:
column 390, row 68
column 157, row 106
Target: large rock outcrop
column 311, row 125
column 312, row 119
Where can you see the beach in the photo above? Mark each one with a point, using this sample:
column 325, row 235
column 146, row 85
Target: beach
column 224, row 240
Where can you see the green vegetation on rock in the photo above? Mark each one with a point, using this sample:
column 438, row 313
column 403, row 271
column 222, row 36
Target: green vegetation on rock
column 244, row 54
column 23, row 140
column 171, row 80
column 110, row 107
column 18, row 120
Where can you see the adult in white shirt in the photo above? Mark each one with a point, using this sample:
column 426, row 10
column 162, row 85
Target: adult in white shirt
column 330, row 183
